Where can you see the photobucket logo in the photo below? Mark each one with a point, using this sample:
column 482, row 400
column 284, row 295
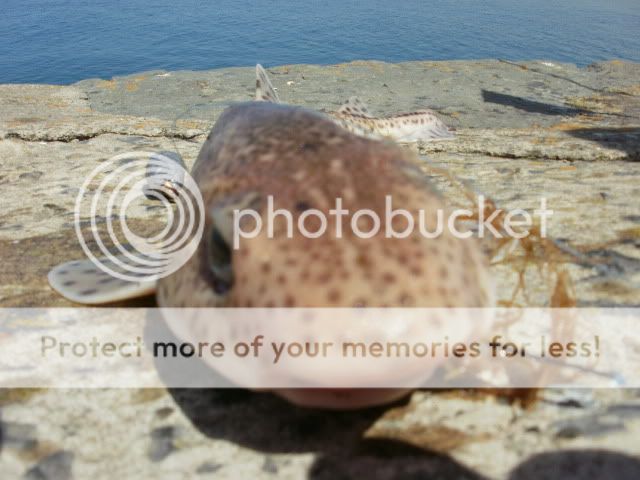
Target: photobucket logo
column 126, row 182
column 514, row 223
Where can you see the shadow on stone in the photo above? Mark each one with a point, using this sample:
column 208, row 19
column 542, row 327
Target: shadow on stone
column 265, row 422
column 268, row 424
column 380, row 458
column 621, row 138
column 578, row 465
column 530, row 106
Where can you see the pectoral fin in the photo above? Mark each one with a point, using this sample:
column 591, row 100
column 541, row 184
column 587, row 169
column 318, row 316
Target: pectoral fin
column 83, row 282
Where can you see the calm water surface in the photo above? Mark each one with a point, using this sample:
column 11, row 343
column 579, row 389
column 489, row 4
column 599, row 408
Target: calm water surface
column 56, row 41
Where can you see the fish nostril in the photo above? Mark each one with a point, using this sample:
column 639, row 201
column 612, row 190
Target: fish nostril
column 219, row 262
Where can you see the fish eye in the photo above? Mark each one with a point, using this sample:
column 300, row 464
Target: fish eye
column 219, row 261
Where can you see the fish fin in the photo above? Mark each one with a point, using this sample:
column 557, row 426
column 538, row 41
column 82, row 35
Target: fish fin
column 355, row 106
column 422, row 125
column 264, row 89
column 83, row 282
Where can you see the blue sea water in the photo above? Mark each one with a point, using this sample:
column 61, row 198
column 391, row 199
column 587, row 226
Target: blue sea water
column 62, row 41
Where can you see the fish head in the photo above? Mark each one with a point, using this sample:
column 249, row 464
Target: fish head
column 298, row 215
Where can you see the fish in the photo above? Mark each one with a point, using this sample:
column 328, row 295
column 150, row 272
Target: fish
column 354, row 115
column 302, row 161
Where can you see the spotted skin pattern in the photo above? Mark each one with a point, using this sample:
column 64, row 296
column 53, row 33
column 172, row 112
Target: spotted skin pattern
column 304, row 160
column 421, row 125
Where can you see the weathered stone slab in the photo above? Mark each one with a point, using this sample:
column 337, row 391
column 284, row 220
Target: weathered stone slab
column 525, row 131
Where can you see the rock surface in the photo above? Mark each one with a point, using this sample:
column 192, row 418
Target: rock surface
column 525, row 130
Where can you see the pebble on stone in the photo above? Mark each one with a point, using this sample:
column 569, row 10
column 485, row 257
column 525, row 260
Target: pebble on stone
column 21, row 436
column 162, row 443
column 56, row 466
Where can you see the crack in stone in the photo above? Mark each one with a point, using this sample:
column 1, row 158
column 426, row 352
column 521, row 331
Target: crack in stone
column 90, row 136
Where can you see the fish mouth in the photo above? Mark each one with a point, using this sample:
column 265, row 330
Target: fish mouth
column 369, row 394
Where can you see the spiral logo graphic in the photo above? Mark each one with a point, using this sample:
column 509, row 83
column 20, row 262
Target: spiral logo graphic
column 140, row 180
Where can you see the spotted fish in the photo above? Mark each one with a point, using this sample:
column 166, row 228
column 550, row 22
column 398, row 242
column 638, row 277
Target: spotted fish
column 303, row 160
column 418, row 126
